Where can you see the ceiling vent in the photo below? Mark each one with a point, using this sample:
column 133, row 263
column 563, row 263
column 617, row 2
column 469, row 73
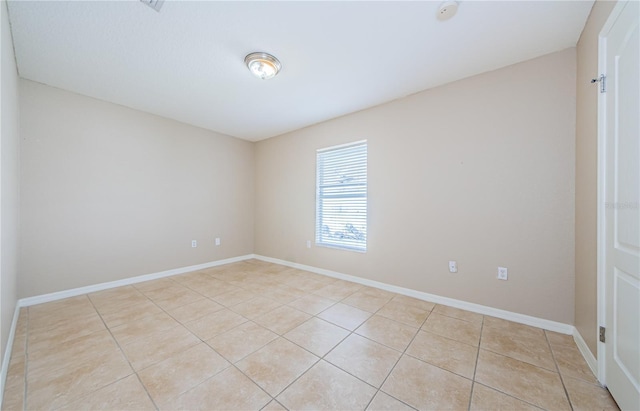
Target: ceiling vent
column 154, row 4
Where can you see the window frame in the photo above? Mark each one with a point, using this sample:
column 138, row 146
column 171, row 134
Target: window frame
column 356, row 194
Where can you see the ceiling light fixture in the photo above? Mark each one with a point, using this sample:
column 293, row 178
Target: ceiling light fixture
column 262, row 65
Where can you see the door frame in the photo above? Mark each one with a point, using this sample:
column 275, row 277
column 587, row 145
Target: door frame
column 601, row 206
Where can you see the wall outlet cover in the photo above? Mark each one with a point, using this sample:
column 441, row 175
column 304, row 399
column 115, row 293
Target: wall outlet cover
column 453, row 267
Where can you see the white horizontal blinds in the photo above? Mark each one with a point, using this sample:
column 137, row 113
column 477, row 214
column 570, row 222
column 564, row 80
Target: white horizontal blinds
column 341, row 219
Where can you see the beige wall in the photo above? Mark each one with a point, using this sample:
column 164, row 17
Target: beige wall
column 480, row 171
column 586, row 320
column 463, row 172
column 110, row 192
column 9, row 149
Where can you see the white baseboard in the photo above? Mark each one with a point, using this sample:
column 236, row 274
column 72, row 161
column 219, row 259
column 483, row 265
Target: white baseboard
column 591, row 360
column 6, row 359
column 477, row 308
column 481, row 309
column 39, row 299
column 45, row 298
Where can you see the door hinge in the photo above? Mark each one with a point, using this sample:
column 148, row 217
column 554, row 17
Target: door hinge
column 602, row 332
column 603, row 82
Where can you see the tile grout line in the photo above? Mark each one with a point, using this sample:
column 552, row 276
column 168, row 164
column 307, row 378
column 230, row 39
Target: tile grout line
column 502, row 355
column 250, row 379
column 555, row 362
column 273, row 397
column 232, row 329
column 402, row 353
column 199, row 383
column 121, row 352
column 232, row 364
column 505, row 393
column 511, row 395
column 398, row 360
column 117, row 344
column 180, row 323
column 26, row 349
column 320, row 358
column 475, row 368
column 435, row 365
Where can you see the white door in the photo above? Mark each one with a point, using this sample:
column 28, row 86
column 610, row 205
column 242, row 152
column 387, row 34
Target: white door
column 620, row 128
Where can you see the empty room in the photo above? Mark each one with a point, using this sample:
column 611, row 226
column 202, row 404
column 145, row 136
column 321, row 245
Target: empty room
column 320, row 205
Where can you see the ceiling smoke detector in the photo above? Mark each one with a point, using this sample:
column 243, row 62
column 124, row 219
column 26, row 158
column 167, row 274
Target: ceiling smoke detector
column 154, row 4
column 447, row 10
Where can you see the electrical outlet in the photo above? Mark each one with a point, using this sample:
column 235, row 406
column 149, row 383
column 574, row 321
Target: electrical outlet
column 453, row 267
column 194, row 243
column 503, row 273
column 217, row 240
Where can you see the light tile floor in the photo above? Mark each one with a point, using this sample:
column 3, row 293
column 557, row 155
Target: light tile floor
column 254, row 335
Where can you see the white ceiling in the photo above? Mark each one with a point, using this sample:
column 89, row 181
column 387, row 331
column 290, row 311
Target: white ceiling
column 186, row 62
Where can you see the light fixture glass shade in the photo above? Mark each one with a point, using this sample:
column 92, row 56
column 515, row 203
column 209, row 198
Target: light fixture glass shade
column 262, row 65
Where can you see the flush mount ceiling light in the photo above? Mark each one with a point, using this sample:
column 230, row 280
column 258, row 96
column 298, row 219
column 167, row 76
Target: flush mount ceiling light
column 447, row 10
column 262, row 65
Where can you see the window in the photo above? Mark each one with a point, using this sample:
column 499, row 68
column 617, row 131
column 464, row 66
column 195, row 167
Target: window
column 341, row 197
